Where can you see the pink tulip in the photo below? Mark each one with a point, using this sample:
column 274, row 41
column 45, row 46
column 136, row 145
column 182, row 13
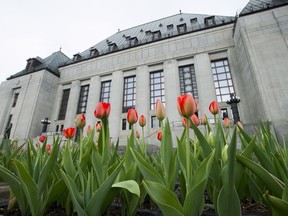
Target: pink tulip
column 132, row 116
column 160, row 110
column 142, row 121
column 137, row 134
column 80, row 120
column 227, row 122
column 186, row 105
column 102, row 109
column 214, row 107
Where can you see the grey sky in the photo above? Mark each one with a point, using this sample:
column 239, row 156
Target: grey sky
column 31, row 28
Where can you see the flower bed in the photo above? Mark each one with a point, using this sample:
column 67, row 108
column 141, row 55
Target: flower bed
column 89, row 177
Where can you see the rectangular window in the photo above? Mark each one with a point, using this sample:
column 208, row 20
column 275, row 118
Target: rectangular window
column 64, row 103
column 222, row 80
column 129, row 94
column 182, row 28
column 105, row 91
column 126, row 125
column 83, row 99
column 209, row 21
column 187, row 79
column 156, row 88
column 15, row 99
column 156, row 35
column 154, row 122
column 224, row 113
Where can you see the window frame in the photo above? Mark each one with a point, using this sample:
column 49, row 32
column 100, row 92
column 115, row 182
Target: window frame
column 104, row 90
column 126, row 94
column 83, row 98
column 157, row 89
column 222, row 79
column 192, row 78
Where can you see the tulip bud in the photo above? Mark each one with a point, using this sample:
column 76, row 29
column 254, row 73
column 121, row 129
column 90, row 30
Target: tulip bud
column 239, row 125
column 204, row 120
column 42, row 138
column 214, row 107
column 195, row 120
column 132, row 116
column 137, row 134
column 224, row 154
column 211, row 139
column 186, row 105
column 102, row 110
column 160, row 110
column 80, row 120
column 227, row 122
column 159, row 135
column 69, row 132
column 98, row 127
column 142, row 121
column 89, row 130
column 48, row 147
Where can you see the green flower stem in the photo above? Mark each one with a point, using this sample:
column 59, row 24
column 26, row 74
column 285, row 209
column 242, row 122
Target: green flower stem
column 195, row 146
column 187, row 154
column 80, row 144
column 142, row 135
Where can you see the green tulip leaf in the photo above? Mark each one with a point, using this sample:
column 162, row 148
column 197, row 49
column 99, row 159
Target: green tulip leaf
column 164, row 198
column 147, row 170
column 130, row 185
column 279, row 207
column 275, row 185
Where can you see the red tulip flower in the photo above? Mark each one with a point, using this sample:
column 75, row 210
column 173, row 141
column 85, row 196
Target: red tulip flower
column 186, row 105
column 214, row 107
column 102, row 109
column 69, row 132
column 195, row 120
column 132, row 116
column 137, row 134
column 159, row 135
column 204, row 120
column 80, row 120
column 160, row 110
column 42, row 138
column 89, row 130
column 98, row 127
column 48, row 147
column 142, row 121
column 227, row 122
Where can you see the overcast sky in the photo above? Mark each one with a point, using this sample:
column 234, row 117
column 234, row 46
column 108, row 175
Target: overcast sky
column 31, row 28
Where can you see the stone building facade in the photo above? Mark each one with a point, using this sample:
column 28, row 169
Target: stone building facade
column 206, row 55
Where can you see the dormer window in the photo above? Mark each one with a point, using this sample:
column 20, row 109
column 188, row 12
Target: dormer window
column 94, row 52
column 209, row 21
column 148, row 32
column 156, row 35
column 112, row 47
column 32, row 63
column 193, row 20
column 170, row 27
column 182, row 28
column 76, row 57
column 133, row 41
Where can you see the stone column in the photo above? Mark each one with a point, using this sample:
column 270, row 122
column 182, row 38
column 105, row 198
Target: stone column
column 143, row 95
column 93, row 99
column 205, row 83
column 57, row 107
column 172, row 90
column 116, row 98
column 72, row 104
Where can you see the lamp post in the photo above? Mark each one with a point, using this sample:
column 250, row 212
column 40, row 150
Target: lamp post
column 233, row 102
column 45, row 122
